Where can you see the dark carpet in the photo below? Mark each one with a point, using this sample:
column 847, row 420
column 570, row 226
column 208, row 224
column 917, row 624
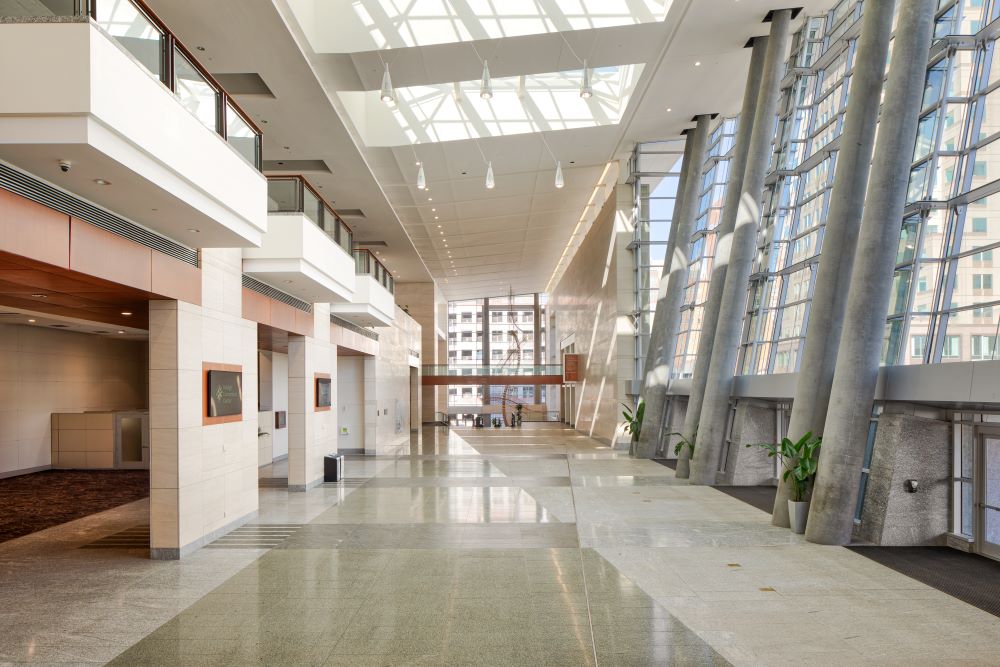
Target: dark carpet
column 970, row 578
column 761, row 497
column 44, row 499
column 670, row 463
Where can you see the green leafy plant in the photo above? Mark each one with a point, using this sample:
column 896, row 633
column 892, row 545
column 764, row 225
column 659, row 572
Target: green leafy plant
column 684, row 442
column 633, row 420
column 799, row 459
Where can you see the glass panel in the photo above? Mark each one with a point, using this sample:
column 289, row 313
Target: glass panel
column 195, row 92
column 925, row 136
column 131, row 439
column 346, row 239
column 283, row 195
column 34, row 8
column 991, row 490
column 241, row 136
column 900, row 290
column 312, row 207
column 131, row 29
column 986, row 168
column 982, row 224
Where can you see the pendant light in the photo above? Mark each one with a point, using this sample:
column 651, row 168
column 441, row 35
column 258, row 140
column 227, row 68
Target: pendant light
column 490, row 183
column 388, row 95
column 559, row 175
column 486, row 86
column 421, row 179
column 586, row 91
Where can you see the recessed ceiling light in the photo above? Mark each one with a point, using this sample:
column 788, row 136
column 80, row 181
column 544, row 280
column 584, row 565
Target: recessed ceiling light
column 127, row 313
column 101, row 181
column 120, row 331
column 439, row 226
column 38, row 296
column 31, row 321
column 669, row 109
column 437, row 217
column 697, row 63
column 430, row 199
column 434, row 210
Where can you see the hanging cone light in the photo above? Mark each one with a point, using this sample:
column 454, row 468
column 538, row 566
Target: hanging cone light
column 586, row 91
column 388, row 94
column 490, row 183
column 486, row 86
column 421, row 179
column 559, row 175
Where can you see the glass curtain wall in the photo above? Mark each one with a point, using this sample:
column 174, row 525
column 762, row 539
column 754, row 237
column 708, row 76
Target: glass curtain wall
column 655, row 174
column 701, row 250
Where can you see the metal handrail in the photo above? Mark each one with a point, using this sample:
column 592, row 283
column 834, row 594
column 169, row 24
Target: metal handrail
column 170, row 48
column 459, row 371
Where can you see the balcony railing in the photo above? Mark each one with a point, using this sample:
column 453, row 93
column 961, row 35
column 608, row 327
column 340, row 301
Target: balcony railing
column 293, row 194
column 365, row 263
column 544, row 369
column 141, row 33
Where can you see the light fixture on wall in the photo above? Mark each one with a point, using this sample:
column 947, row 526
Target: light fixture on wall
column 586, row 90
column 388, row 95
column 486, row 85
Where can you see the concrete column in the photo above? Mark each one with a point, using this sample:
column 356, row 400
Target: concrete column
column 826, row 313
column 831, row 517
column 734, row 187
column 672, row 284
column 750, row 466
column 718, row 381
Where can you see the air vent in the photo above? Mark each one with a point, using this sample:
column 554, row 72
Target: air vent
column 272, row 293
column 371, row 243
column 351, row 326
column 351, row 213
column 243, row 83
column 59, row 326
column 42, row 193
column 296, row 166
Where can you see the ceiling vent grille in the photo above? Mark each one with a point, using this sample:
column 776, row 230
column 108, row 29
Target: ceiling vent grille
column 263, row 288
column 351, row 326
column 42, row 193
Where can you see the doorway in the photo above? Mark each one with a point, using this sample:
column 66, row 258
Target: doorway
column 987, row 484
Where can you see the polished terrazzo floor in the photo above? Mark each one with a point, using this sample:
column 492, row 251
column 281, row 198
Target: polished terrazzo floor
column 536, row 547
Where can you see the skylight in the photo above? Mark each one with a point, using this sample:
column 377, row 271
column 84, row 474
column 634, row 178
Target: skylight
column 532, row 103
column 344, row 26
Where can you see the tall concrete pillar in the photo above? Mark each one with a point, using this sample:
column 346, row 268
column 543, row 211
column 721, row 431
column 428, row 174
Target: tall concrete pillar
column 671, row 294
column 826, row 313
column 734, row 187
column 718, row 381
column 831, row 517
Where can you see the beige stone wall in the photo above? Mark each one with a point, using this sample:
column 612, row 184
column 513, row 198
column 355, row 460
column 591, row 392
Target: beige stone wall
column 44, row 371
column 592, row 304
column 387, row 413
column 426, row 304
column 203, row 477
column 312, row 433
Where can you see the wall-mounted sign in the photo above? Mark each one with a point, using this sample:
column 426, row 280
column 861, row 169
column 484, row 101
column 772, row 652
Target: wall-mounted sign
column 324, row 391
column 571, row 368
column 225, row 393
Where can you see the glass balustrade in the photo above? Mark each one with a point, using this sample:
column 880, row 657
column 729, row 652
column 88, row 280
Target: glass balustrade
column 365, row 263
column 143, row 36
column 293, row 194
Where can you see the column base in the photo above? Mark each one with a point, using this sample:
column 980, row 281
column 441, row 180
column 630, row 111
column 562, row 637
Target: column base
column 176, row 553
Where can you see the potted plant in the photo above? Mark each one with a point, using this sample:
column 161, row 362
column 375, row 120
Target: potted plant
column 519, row 417
column 799, row 459
column 683, row 442
column 633, row 423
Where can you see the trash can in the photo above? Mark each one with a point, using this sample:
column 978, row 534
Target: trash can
column 333, row 467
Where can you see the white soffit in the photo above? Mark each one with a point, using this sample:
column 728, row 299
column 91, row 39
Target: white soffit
column 370, row 25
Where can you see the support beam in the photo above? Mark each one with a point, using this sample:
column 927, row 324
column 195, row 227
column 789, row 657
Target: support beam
column 719, row 380
column 826, row 313
column 734, row 187
column 831, row 517
column 672, row 284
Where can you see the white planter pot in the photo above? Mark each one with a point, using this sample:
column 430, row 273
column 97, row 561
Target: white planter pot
column 797, row 515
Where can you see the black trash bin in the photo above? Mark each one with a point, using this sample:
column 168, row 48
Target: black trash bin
column 333, row 467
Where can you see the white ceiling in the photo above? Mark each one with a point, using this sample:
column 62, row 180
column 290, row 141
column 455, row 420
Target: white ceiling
column 511, row 237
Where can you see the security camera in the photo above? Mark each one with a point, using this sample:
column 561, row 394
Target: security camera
column 65, row 165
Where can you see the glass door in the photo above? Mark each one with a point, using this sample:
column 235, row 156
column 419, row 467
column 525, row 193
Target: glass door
column 988, row 496
column 132, row 440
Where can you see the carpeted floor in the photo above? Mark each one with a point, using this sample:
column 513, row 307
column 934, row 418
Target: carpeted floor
column 44, row 499
column 761, row 497
column 670, row 463
column 970, row 578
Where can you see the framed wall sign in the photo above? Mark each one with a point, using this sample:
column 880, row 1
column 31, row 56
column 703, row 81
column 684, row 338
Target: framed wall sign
column 571, row 368
column 223, row 393
column 324, row 392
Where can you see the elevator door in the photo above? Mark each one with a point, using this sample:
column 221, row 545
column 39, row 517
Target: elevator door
column 988, row 497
